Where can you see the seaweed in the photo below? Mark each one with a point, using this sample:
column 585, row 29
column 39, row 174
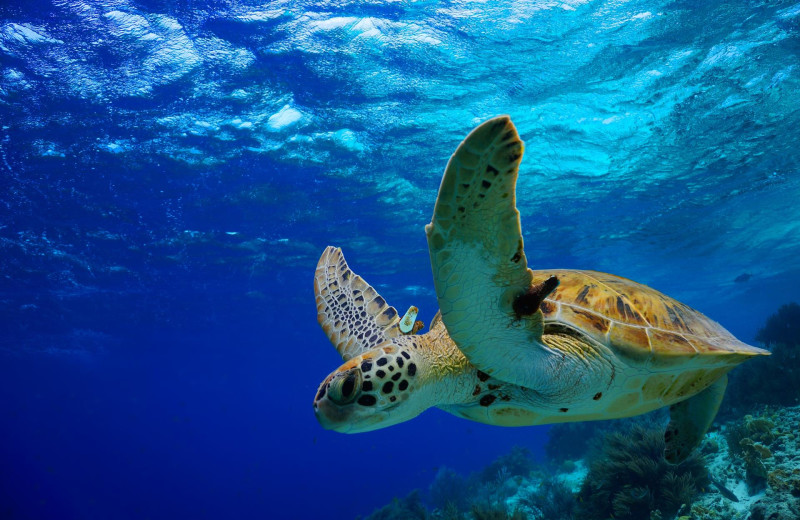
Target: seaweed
column 629, row 478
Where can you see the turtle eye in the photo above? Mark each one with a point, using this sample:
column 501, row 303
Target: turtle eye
column 343, row 389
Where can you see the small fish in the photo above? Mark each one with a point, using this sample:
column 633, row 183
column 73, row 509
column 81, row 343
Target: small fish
column 743, row 278
column 727, row 493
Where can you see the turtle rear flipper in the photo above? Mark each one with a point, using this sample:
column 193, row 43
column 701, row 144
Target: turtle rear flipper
column 353, row 315
column 690, row 419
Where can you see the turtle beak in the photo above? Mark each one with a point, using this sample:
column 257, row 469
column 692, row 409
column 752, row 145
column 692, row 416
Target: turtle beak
column 332, row 417
column 341, row 420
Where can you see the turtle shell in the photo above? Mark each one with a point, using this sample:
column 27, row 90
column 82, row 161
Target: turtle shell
column 637, row 323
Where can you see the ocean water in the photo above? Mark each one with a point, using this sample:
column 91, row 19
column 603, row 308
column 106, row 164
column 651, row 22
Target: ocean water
column 171, row 171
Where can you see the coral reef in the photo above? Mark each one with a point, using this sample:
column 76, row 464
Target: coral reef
column 749, row 439
column 516, row 463
column 552, row 500
column 747, row 469
column 629, row 478
column 408, row 508
column 783, row 327
column 759, row 462
column 784, row 480
column 570, row 441
column 751, row 430
column 775, row 507
column 489, row 488
column 450, row 489
column 496, row 513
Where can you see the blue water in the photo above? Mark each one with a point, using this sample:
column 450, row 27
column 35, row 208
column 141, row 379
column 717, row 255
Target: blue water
column 172, row 171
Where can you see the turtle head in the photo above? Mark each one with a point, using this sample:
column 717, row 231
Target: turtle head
column 379, row 388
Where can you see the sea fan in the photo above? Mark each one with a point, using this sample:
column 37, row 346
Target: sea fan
column 629, row 477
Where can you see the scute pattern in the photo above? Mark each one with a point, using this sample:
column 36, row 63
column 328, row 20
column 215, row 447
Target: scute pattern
column 642, row 325
column 352, row 314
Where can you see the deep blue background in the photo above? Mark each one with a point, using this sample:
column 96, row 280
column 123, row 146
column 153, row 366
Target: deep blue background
column 170, row 172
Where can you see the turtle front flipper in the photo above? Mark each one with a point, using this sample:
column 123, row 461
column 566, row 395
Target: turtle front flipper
column 690, row 419
column 353, row 315
column 480, row 272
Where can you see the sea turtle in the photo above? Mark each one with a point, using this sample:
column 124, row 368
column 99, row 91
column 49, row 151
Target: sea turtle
column 511, row 346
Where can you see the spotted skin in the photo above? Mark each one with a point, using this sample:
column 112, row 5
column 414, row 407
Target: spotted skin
column 393, row 382
column 389, row 377
column 385, row 372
